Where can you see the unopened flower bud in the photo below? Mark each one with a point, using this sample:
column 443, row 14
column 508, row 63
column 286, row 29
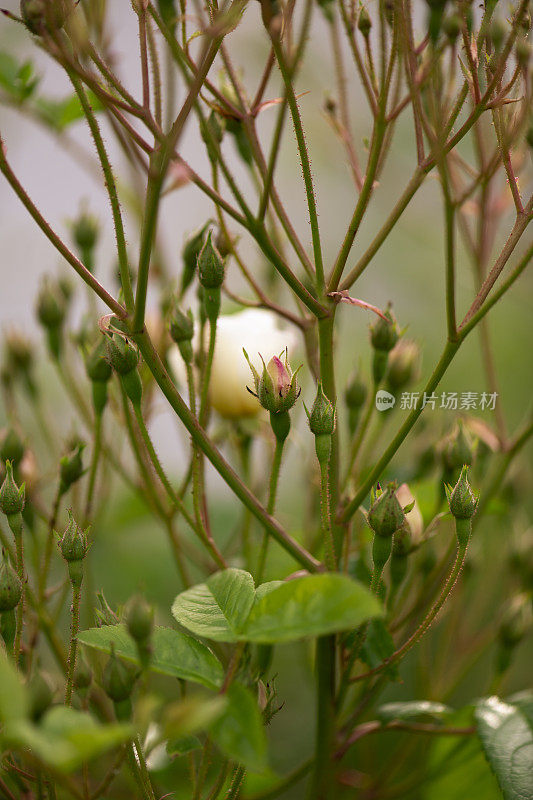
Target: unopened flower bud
column 403, row 365
column 384, row 333
column 356, row 393
column 322, row 416
column 118, row 679
column 452, row 26
column 11, row 447
column 212, row 133
column 82, row 674
column 42, row 16
column 97, row 363
column 461, row 498
column 122, row 354
column 139, row 618
column 51, row 308
column 40, row 694
column 210, row 265
column 277, row 388
column 10, row 586
column 181, row 330
column 74, row 546
column 190, row 253
column 364, row 23
column 498, row 32
column 386, row 515
column 522, row 52
column 85, row 232
column 71, row 467
column 11, row 496
column 383, row 336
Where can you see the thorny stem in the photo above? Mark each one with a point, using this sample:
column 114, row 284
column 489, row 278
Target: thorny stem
column 74, row 629
column 271, row 505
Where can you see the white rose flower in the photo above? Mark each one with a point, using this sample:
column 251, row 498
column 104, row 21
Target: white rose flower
column 257, row 331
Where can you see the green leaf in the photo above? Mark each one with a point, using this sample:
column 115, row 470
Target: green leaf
column 217, row 609
column 65, row 738
column 14, row 701
column 174, row 653
column 314, row 605
column 226, row 608
column 183, row 745
column 18, row 80
column 413, row 709
column 239, row 731
column 59, row 114
column 456, row 767
column 378, row 646
column 507, row 739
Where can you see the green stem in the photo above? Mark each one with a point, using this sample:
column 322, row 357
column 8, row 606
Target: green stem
column 43, row 575
column 321, row 786
column 97, row 448
column 304, row 158
column 360, row 434
column 325, row 515
column 206, row 377
column 271, row 505
column 236, row 783
column 15, row 523
column 74, row 629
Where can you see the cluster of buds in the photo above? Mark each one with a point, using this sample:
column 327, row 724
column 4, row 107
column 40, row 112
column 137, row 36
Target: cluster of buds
column 322, row 425
column 123, row 356
column 99, row 372
column 384, row 335
column 74, row 547
column 139, row 618
column 386, row 517
column 211, row 271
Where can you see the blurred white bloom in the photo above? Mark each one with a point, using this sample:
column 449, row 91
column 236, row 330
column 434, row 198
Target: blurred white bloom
column 257, row 331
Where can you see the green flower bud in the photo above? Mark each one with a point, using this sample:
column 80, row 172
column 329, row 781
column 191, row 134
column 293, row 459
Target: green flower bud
column 384, row 333
column 277, row 388
column 139, row 619
column 10, row 586
column 122, row 354
column 327, row 10
column 322, row 416
column 118, row 680
column 71, row 467
column 74, row 546
column 8, row 628
column 83, row 675
column 516, row 621
column 85, row 232
column 132, row 385
column 522, row 52
column 498, row 32
column 458, row 449
column 18, row 352
column 41, row 16
column 51, row 306
column 403, row 365
column 210, row 265
column 364, row 23
column 212, row 133
column 11, row 447
column 356, row 393
column 461, row 498
column 190, row 253
column 386, row 515
column 452, row 26
column 11, row 496
column 41, row 695
column 97, row 363
column 181, row 330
